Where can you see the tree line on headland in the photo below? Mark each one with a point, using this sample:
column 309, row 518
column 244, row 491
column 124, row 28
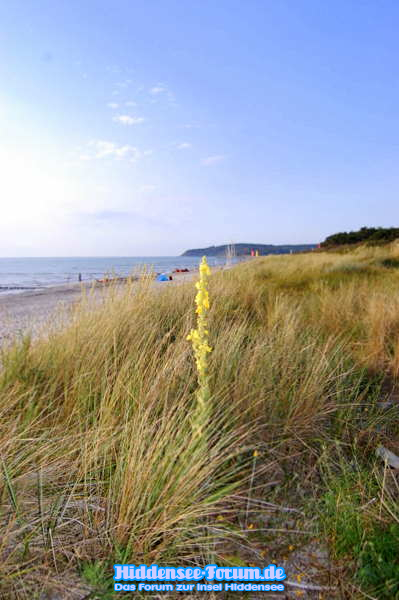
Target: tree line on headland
column 365, row 234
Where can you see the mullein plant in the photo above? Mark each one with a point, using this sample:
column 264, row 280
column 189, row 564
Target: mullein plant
column 199, row 340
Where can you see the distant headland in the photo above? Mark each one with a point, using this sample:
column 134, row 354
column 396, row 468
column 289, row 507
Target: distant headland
column 246, row 249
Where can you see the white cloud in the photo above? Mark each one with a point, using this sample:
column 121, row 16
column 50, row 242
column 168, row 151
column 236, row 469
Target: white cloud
column 105, row 149
column 124, row 84
column 184, row 146
column 130, row 103
column 161, row 90
column 128, row 120
column 213, row 160
column 112, row 105
column 158, row 89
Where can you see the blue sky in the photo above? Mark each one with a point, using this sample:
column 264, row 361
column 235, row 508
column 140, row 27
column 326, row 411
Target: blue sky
column 145, row 128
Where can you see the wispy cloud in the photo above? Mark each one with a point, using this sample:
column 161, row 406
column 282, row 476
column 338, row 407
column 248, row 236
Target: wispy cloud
column 130, row 103
column 213, row 160
column 98, row 149
column 112, row 105
column 128, row 120
column 158, row 89
column 124, row 84
column 162, row 90
column 183, row 146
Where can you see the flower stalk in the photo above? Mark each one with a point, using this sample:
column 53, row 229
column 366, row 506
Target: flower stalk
column 199, row 340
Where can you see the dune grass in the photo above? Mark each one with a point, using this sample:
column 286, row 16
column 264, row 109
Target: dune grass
column 98, row 459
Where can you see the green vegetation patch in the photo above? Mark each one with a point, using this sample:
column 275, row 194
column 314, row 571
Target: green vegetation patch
column 390, row 263
column 365, row 234
column 379, row 562
column 358, row 536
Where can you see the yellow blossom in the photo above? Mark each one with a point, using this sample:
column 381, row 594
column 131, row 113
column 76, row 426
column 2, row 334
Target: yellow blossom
column 199, row 340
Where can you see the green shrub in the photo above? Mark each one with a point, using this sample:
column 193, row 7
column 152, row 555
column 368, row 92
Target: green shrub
column 390, row 263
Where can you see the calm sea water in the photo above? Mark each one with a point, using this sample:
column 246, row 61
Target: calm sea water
column 20, row 274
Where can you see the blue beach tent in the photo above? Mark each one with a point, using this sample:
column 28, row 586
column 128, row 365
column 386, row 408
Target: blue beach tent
column 162, row 277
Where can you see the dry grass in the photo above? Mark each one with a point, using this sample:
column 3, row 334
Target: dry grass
column 98, row 458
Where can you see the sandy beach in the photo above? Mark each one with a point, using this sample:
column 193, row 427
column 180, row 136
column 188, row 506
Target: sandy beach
column 31, row 311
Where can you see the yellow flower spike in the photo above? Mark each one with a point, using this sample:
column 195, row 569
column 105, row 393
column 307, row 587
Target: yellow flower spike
column 199, row 340
column 255, row 454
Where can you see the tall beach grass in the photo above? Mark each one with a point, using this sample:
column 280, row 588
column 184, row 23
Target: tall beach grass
column 98, row 461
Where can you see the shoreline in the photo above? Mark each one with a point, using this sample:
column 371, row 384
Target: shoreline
column 31, row 311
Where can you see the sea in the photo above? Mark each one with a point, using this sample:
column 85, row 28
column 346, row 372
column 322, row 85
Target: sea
column 24, row 274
